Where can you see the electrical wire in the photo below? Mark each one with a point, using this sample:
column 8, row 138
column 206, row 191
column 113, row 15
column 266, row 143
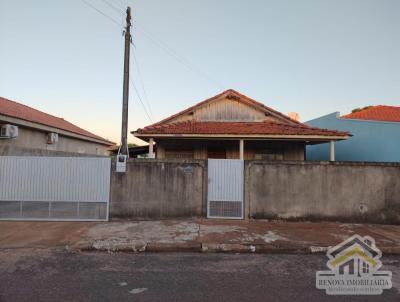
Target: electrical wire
column 120, row 5
column 158, row 42
column 162, row 45
column 102, row 13
column 140, row 100
column 109, row 4
column 168, row 50
column 142, row 83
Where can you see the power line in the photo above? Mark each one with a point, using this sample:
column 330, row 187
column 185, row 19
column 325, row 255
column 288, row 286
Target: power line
column 120, row 4
column 142, row 83
column 109, row 4
column 102, row 13
column 168, row 50
column 140, row 99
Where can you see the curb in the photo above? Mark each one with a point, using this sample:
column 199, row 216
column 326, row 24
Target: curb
column 192, row 246
column 227, row 248
column 158, row 247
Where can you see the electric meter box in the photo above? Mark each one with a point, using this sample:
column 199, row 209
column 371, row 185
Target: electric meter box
column 121, row 163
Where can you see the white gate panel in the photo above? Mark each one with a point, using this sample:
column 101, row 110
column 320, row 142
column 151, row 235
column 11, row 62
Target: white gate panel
column 225, row 188
column 54, row 188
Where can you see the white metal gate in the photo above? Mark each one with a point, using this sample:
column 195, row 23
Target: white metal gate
column 54, row 188
column 225, row 188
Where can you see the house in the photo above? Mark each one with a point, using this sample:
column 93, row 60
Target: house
column 233, row 126
column 27, row 131
column 376, row 135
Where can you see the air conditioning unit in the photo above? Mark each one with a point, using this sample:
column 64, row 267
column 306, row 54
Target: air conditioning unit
column 8, row 131
column 52, row 138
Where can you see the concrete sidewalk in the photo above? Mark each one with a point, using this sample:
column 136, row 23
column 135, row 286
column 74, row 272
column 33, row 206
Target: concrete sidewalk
column 203, row 235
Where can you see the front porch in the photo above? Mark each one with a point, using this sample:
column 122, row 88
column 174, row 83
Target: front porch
column 245, row 149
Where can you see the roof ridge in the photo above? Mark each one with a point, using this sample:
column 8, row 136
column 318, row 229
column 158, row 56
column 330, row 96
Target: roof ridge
column 383, row 113
column 264, row 106
column 390, row 106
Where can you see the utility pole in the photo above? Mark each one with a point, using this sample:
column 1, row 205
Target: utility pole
column 125, row 97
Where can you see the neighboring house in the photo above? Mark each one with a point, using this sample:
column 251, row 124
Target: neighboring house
column 231, row 125
column 27, row 131
column 375, row 130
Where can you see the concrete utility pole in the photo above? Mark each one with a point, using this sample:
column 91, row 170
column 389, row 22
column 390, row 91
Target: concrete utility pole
column 124, row 131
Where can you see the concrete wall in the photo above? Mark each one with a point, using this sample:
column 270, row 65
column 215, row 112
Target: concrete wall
column 323, row 191
column 31, row 141
column 293, row 190
column 159, row 189
column 372, row 141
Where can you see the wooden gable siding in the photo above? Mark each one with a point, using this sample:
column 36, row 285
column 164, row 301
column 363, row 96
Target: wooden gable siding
column 228, row 110
column 224, row 110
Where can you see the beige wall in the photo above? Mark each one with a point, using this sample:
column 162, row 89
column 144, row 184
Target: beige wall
column 295, row 190
column 159, row 189
column 199, row 149
column 340, row 191
column 37, row 140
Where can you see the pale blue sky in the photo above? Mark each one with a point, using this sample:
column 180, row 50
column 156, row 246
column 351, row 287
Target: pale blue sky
column 311, row 57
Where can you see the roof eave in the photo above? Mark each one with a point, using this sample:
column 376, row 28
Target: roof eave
column 244, row 136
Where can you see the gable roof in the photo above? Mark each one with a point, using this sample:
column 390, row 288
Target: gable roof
column 16, row 110
column 377, row 113
column 231, row 93
column 237, row 128
column 287, row 128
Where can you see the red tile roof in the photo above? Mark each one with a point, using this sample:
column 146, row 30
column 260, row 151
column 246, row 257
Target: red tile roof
column 287, row 127
column 377, row 113
column 23, row 112
column 237, row 128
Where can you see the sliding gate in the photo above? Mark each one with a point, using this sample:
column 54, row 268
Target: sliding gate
column 54, row 188
column 225, row 188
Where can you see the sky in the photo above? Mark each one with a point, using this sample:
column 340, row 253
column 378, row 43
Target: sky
column 313, row 57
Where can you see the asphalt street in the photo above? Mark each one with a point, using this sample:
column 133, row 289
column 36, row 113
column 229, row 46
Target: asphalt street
column 43, row 275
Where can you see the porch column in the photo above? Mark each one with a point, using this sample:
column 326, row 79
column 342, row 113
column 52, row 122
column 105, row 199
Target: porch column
column 241, row 149
column 332, row 157
column 151, row 144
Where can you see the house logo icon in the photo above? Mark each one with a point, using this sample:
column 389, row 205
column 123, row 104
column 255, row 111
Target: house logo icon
column 354, row 269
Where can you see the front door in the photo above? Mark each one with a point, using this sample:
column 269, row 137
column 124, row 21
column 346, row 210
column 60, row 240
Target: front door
column 225, row 188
